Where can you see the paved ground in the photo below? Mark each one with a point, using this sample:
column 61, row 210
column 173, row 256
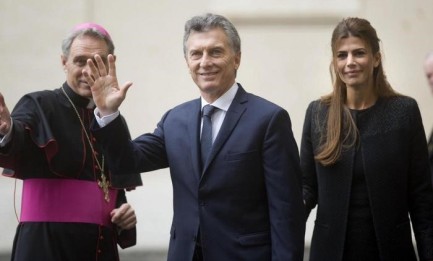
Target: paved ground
column 138, row 256
column 158, row 256
column 131, row 256
column 144, row 256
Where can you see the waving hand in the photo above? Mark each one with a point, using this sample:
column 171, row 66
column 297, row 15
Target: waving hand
column 5, row 117
column 107, row 94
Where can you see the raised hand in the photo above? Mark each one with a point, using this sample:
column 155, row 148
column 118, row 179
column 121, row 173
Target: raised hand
column 5, row 117
column 106, row 92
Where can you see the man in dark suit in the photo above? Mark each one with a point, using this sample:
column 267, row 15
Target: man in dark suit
column 241, row 201
column 428, row 69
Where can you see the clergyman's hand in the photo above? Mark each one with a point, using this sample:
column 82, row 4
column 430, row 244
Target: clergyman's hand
column 5, row 117
column 124, row 216
column 106, row 92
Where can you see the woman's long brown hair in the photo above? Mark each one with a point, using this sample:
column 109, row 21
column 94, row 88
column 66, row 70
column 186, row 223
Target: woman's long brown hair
column 341, row 132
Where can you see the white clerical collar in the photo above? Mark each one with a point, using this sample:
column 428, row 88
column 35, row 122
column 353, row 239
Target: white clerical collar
column 91, row 104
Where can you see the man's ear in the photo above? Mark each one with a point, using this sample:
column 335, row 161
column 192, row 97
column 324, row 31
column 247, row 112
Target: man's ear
column 237, row 60
column 187, row 64
column 63, row 60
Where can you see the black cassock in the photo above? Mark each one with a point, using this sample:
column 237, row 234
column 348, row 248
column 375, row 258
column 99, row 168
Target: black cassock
column 48, row 142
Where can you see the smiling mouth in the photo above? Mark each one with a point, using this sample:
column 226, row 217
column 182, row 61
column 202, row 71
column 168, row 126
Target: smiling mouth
column 208, row 74
column 85, row 83
column 352, row 73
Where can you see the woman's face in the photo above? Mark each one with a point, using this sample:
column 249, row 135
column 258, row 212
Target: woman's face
column 355, row 62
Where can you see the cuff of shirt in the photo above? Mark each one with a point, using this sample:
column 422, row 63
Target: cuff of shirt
column 6, row 138
column 105, row 120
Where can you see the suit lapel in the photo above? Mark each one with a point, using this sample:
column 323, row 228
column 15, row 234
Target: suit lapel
column 233, row 115
column 430, row 146
column 194, row 136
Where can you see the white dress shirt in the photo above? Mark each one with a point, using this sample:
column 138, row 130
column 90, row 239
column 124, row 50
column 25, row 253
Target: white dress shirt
column 222, row 103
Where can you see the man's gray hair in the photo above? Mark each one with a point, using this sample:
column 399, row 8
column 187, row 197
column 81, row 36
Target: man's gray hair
column 93, row 32
column 203, row 23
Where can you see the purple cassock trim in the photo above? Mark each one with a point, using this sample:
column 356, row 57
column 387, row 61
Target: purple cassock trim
column 66, row 200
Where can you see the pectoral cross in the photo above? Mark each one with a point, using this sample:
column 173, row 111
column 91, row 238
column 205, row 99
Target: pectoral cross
column 104, row 184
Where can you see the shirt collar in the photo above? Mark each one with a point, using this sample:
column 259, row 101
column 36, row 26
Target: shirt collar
column 223, row 102
column 78, row 100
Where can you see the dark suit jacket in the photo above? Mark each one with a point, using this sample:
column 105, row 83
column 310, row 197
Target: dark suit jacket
column 247, row 200
column 397, row 175
column 430, row 152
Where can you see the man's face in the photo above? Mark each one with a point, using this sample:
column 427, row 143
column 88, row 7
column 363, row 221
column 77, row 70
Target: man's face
column 428, row 69
column 82, row 48
column 212, row 62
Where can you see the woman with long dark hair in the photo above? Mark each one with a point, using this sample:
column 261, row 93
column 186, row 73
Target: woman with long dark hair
column 365, row 161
